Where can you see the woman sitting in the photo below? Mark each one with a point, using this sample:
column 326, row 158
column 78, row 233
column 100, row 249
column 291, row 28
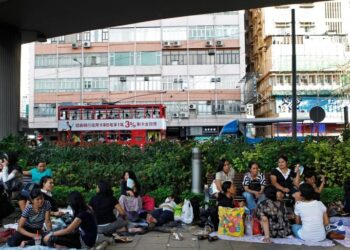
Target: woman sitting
column 310, row 178
column 311, row 216
column 163, row 214
column 225, row 199
column 273, row 216
column 39, row 172
column 82, row 232
column 32, row 220
column 46, row 185
column 253, row 184
column 224, row 173
column 103, row 204
column 284, row 179
column 130, row 200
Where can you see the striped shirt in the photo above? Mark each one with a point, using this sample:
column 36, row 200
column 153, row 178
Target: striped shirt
column 254, row 183
column 35, row 219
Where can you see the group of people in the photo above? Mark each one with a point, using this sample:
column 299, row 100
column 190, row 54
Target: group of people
column 268, row 202
column 103, row 214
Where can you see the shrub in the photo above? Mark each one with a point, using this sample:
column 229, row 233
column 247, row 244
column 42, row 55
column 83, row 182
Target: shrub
column 330, row 195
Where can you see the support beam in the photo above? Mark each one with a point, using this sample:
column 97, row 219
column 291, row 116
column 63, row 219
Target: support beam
column 10, row 68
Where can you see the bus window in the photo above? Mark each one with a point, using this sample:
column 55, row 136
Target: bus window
column 125, row 135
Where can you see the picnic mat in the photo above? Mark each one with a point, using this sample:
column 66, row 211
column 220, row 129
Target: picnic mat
column 290, row 240
column 345, row 243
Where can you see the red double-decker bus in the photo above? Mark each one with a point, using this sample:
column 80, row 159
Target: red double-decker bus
column 135, row 124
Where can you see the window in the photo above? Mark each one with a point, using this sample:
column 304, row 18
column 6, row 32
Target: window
column 148, row 58
column 45, row 61
column 96, row 84
column 307, row 5
column 209, row 32
column 201, row 32
column 304, row 79
column 59, row 39
column 227, row 32
column 121, row 35
column 122, row 58
column 122, row 83
column 44, row 109
column 95, row 59
column 105, row 35
column 174, row 57
column 227, row 57
column 279, row 79
column 174, row 82
column 307, row 26
column 328, row 79
column 69, row 85
column 87, row 36
column 282, row 25
column 148, row 34
column 44, row 85
column 312, row 79
column 288, row 79
column 148, row 83
column 67, row 60
column 174, row 33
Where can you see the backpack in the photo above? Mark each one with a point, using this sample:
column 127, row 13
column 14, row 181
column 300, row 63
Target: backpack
column 27, row 189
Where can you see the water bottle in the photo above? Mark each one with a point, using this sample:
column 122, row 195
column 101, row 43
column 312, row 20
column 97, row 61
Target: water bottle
column 248, row 226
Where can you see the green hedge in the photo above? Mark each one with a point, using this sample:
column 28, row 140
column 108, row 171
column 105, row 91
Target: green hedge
column 165, row 167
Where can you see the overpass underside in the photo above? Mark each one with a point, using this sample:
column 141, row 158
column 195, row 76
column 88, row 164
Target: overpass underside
column 24, row 21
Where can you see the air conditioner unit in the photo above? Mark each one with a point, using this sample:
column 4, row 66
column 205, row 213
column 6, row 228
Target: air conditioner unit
column 243, row 108
column 75, row 45
column 192, row 106
column 209, row 43
column 176, row 43
column 146, row 79
column 123, row 78
column 87, row 44
column 166, row 44
column 184, row 115
column 215, row 79
column 175, row 115
column 219, row 43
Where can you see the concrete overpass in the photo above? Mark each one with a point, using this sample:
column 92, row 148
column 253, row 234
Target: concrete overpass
column 23, row 21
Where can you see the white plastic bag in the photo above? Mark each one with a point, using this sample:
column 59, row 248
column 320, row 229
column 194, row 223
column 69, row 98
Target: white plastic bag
column 187, row 212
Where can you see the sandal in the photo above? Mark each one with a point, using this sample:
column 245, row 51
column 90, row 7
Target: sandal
column 212, row 238
column 121, row 239
column 178, row 236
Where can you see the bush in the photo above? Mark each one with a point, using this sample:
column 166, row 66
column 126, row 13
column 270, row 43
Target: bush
column 330, row 195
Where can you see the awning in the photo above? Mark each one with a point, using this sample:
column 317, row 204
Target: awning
column 230, row 128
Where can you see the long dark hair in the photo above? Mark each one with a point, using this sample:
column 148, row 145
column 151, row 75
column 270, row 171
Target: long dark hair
column 104, row 188
column 132, row 176
column 12, row 158
column 221, row 165
column 77, row 203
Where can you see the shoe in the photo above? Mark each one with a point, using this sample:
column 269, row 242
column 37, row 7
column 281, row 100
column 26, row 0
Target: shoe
column 336, row 227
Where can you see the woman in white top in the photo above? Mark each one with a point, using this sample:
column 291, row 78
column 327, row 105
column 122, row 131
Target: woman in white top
column 310, row 216
column 11, row 174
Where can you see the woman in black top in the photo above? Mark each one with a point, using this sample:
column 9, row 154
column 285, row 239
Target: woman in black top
column 285, row 179
column 82, row 232
column 225, row 199
column 103, row 204
column 46, row 185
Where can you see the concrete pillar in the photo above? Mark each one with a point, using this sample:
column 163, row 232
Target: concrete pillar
column 10, row 68
column 196, row 171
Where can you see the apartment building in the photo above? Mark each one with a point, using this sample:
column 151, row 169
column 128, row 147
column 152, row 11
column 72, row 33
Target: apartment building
column 322, row 48
column 193, row 65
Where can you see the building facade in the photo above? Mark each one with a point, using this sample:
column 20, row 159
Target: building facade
column 322, row 48
column 192, row 64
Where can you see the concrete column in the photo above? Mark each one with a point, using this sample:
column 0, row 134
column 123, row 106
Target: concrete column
column 10, row 67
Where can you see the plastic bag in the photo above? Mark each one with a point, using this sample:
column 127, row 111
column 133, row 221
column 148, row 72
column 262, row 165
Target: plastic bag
column 187, row 212
column 256, row 227
column 178, row 213
column 231, row 221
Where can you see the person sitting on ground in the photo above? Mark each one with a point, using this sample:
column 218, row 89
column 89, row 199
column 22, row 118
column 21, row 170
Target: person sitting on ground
column 11, row 174
column 39, row 172
column 164, row 214
column 224, row 173
column 253, row 184
column 310, row 216
column 225, row 199
column 103, row 204
column 130, row 200
column 272, row 214
column 47, row 185
column 81, row 233
column 32, row 220
column 310, row 178
column 284, row 179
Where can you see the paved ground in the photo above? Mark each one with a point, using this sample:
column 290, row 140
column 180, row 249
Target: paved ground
column 160, row 241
